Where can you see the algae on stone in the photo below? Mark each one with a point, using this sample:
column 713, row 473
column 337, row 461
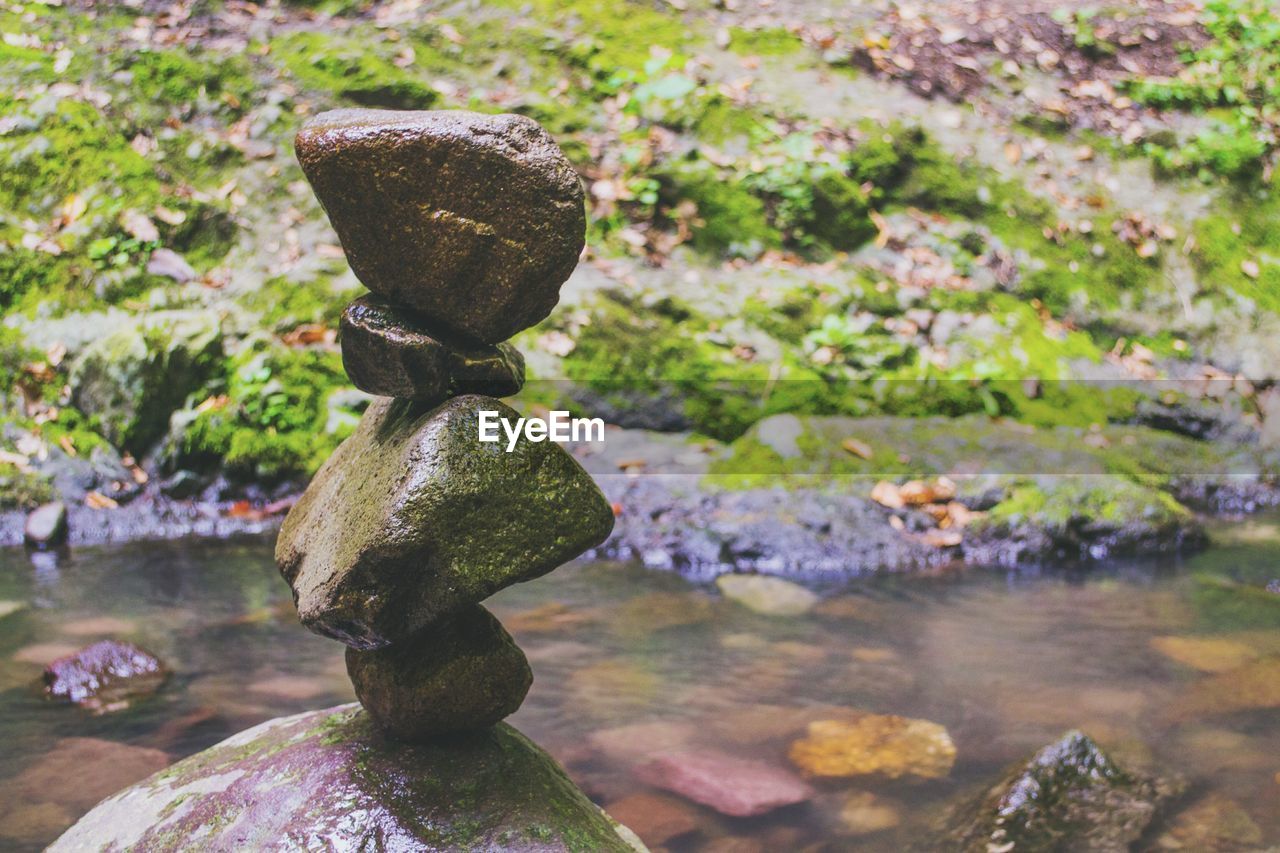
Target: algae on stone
column 413, row 518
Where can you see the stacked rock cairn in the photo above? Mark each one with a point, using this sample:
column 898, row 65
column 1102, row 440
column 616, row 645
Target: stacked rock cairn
column 463, row 226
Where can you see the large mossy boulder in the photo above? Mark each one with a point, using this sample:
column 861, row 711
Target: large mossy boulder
column 130, row 381
column 327, row 780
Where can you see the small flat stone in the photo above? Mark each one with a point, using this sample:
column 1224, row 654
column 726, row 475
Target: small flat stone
column 728, row 784
column 105, row 676
column 413, row 517
column 389, row 352
column 766, row 595
column 472, row 220
column 463, row 674
column 46, row 525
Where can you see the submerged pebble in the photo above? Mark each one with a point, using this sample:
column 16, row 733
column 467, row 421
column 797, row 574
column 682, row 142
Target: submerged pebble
column 881, row 744
column 106, row 676
column 767, row 595
column 726, row 783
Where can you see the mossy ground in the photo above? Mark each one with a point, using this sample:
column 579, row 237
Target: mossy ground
column 687, row 175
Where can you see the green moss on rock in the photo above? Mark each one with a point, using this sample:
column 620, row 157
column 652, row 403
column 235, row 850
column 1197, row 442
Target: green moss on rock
column 352, row 68
column 129, row 382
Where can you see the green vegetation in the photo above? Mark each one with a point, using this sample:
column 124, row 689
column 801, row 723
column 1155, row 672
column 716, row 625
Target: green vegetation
column 354, row 69
column 274, row 418
column 766, row 41
column 1235, row 81
column 1238, row 247
column 685, row 170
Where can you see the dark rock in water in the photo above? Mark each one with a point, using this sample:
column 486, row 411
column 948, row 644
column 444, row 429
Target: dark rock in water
column 105, row 676
column 388, row 351
column 46, row 525
column 413, row 517
column 728, row 784
column 1041, row 540
column 1069, row 796
column 462, row 674
column 472, row 220
column 329, row 780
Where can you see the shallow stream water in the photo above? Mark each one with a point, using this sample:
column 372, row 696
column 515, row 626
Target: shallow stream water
column 1005, row 662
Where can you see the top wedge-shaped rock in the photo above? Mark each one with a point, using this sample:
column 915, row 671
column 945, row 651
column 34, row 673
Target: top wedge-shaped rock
column 413, row 517
column 472, row 220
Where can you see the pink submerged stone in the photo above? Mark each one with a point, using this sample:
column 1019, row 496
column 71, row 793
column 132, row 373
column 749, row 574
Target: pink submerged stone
column 730, row 785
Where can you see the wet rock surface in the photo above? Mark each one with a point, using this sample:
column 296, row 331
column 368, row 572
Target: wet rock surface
column 106, row 676
column 472, row 220
column 1070, row 794
column 389, row 352
column 413, row 518
column 351, row 789
column 463, row 673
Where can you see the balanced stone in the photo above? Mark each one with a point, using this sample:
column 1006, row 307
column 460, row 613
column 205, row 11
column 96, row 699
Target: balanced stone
column 461, row 674
column 413, row 517
column 472, row 220
column 387, row 351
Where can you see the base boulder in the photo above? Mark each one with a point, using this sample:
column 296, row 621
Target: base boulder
column 326, row 780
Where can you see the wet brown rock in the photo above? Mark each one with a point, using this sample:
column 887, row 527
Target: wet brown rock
column 473, row 221
column 463, row 674
column 389, row 352
column 653, row 817
column 106, row 676
column 413, row 518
